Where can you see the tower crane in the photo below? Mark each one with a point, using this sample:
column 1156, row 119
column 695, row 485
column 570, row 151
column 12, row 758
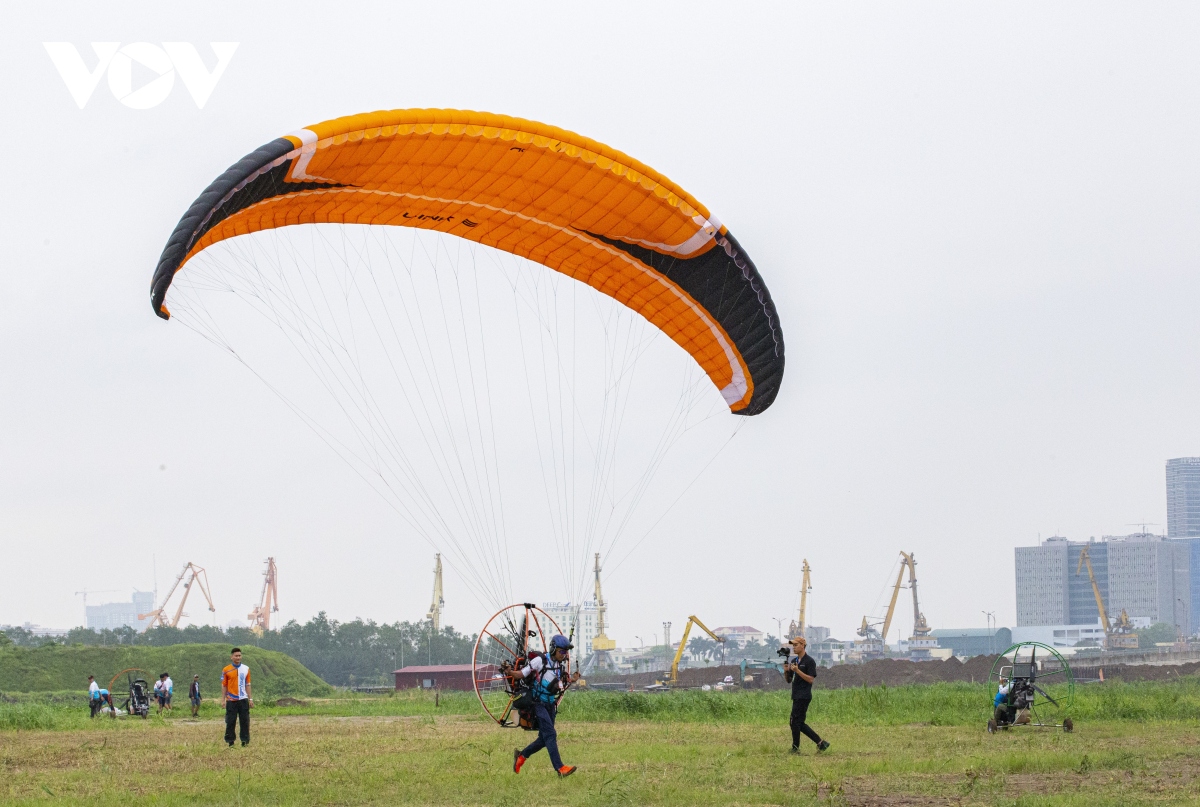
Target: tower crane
column 798, row 628
column 439, row 602
column 601, row 644
column 195, row 575
column 268, row 601
column 1118, row 636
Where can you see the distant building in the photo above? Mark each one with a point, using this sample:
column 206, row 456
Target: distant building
column 1183, row 497
column 442, row 676
column 740, row 635
column 1042, row 583
column 38, row 630
column 827, row 652
column 582, row 617
column 114, row 615
column 1061, row 636
column 1145, row 575
column 815, row 634
column 967, row 642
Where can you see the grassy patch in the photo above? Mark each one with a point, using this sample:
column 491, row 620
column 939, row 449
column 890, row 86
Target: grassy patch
column 956, row 704
column 57, row 668
column 456, row 760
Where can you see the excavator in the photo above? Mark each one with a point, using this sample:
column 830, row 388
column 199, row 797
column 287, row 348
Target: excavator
column 673, row 678
column 921, row 642
column 1118, row 635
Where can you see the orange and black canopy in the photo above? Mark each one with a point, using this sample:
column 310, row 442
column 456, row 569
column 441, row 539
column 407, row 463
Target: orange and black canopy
column 543, row 193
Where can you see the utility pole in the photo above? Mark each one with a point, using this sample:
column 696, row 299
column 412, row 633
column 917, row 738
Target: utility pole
column 991, row 623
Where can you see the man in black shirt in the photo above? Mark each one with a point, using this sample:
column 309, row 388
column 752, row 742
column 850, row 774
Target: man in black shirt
column 800, row 671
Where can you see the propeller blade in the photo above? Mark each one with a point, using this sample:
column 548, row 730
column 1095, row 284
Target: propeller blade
column 1043, row 692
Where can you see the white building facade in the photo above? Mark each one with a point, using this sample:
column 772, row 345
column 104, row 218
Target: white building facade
column 582, row 617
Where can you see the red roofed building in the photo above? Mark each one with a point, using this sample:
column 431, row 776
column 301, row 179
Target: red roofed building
column 441, row 676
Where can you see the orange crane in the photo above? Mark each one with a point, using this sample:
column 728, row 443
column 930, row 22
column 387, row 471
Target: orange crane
column 268, row 601
column 195, row 574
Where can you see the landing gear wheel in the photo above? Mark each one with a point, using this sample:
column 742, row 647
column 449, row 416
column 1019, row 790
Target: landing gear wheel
column 1068, row 724
column 504, row 643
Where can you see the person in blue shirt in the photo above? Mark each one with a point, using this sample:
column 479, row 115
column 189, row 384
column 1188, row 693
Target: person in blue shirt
column 1003, row 714
column 549, row 681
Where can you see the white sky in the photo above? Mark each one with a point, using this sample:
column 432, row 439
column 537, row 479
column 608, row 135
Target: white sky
column 978, row 223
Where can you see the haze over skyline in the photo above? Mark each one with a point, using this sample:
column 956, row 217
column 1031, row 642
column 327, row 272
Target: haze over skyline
column 977, row 224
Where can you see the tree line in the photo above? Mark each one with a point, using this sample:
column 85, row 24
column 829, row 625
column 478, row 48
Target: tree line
column 357, row 653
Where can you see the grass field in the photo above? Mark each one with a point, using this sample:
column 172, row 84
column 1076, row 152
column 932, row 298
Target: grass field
column 66, row 667
column 908, row 745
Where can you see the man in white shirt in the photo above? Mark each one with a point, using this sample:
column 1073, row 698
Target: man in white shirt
column 97, row 697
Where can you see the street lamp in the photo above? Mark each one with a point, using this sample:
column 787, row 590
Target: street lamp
column 779, row 626
column 991, row 623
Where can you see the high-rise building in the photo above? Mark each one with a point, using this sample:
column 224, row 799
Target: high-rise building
column 113, row 615
column 1042, row 583
column 1183, row 497
column 1147, row 576
column 579, row 617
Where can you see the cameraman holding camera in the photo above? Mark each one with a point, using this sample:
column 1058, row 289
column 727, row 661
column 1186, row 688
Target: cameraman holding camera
column 800, row 671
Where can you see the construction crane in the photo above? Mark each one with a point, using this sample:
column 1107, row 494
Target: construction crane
column 268, row 601
column 195, row 574
column 439, row 602
column 797, row 628
column 601, row 644
column 875, row 638
column 1118, row 636
column 673, row 679
column 921, row 642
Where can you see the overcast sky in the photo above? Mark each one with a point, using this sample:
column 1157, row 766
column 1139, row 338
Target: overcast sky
column 978, row 223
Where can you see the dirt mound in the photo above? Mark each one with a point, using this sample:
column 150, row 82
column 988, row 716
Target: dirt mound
column 892, row 672
column 1134, row 672
column 897, row 672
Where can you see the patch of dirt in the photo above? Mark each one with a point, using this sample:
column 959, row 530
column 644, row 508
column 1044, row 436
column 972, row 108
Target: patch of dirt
column 290, row 702
column 1135, row 672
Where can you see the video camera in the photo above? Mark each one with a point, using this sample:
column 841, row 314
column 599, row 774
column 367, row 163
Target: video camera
column 784, row 652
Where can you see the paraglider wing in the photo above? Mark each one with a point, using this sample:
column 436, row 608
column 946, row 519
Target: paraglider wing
column 543, row 193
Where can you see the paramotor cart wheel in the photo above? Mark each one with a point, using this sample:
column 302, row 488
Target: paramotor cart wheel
column 504, row 644
column 1068, row 724
column 992, row 726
